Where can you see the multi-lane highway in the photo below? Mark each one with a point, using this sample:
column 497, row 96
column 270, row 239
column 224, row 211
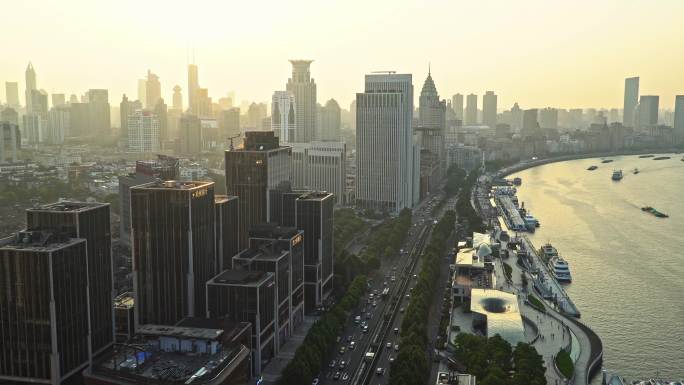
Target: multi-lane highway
column 379, row 317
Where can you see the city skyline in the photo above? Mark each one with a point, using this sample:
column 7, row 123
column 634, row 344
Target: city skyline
column 570, row 67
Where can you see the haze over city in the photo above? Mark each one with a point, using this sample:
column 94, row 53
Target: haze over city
column 570, row 54
column 342, row 192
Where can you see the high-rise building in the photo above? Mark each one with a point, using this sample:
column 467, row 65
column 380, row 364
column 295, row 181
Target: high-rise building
column 79, row 119
column 283, row 116
column 229, row 123
column 12, row 94
column 431, row 131
column 331, row 116
column 99, row 119
column 39, row 103
column 142, row 90
column 143, row 131
column 10, row 142
column 177, row 98
column 631, row 100
column 89, row 221
column 125, row 110
column 226, row 230
column 193, row 86
column 314, row 216
column 152, row 90
column 31, row 85
column 203, row 103
column 44, row 308
column 548, row 118
column 529, row 122
column 172, row 236
column 59, row 124
column 279, row 250
column 164, row 168
column 58, row 100
column 647, row 111
column 247, row 296
column 387, row 169
column 489, row 117
column 457, row 105
column 471, row 109
column 320, row 166
column 303, row 87
column 190, row 134
column 254, row 173
column 161, row 110
column 10, row 115
column 679, row 119
column 288, row 239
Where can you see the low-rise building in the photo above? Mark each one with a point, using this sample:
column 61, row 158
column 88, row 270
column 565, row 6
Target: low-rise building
column 197, row 351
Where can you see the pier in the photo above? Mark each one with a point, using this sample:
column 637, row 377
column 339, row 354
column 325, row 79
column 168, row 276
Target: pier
column 545, row 282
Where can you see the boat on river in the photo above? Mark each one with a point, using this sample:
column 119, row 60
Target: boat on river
column 646, row 156
column 592, row 167
column 656, row 213
column 661, row 158
column 617, row 175
column 606, row 161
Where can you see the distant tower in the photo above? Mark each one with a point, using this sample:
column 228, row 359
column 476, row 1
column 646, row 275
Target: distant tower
column 152, row 90
column 12, row 94
column 193, row 86
column 471, row 109
column 647, row 111
column 177, row 98
column 489, row 109
column 457, row 104
column 631, row 100
column 331, row 116
column 303, row 87
column 30, row 85
column 283, row 115
column 679, row 119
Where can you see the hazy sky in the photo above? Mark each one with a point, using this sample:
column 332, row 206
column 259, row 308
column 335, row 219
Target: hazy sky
column 538, row 53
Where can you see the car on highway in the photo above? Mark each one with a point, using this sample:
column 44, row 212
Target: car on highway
column 365, row 329
column 375, row 304
column 388, row 345
column 343, row 349
column 352, row 345
column 343, row 364
column 396, row 330
column 396, row 347
column 345, row 377
column 337, row 376
column 350, row 338
column 333, row 363
column 369, row 315
column 391, row 359
column 315, row 381
column 380, row 371
column 401, row 310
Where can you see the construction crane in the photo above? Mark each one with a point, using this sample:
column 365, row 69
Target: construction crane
column 231, row 140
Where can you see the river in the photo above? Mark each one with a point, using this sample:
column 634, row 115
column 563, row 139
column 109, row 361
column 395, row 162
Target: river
column 627, row 265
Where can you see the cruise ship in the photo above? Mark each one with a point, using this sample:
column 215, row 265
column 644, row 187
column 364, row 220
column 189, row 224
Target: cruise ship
column 560, row 269
column 617, row 175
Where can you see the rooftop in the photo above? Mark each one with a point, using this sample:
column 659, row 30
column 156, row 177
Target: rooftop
column 68, row 206
column 315, row 195
column 241, row 277
column 502, row 313
column 174, row 185
column 179, row 331
column 38, row 240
